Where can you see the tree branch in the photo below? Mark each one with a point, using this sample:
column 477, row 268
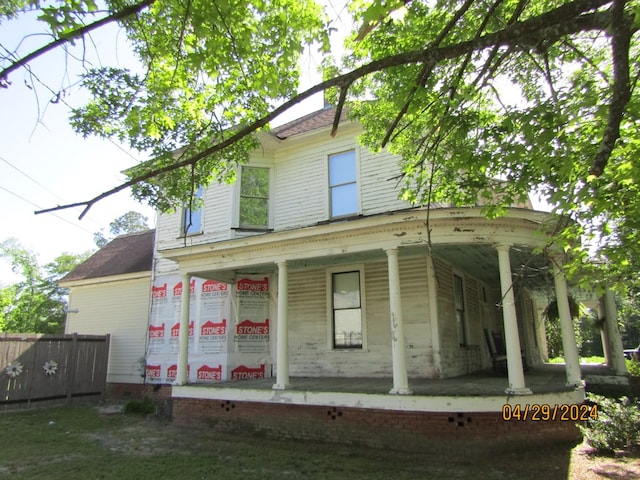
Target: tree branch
column 564, row 20
column 68, row 37
column 621, row 92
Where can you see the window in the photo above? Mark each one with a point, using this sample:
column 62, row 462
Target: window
column 458, row 297
column 343, row 186
column 254, row 198
column 347, row 310
column 192, row 218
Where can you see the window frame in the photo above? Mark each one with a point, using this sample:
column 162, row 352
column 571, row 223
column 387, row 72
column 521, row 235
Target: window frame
column 359, row 268
column 462, row 327
column 185, row 228
column 355, row 182
column 237, row 225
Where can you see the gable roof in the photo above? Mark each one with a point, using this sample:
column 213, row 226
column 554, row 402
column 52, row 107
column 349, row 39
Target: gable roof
column 312, row 121
column 130, row 253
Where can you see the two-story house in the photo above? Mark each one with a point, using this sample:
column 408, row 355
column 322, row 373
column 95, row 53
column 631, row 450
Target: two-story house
column 308, row 279
column 309, row 268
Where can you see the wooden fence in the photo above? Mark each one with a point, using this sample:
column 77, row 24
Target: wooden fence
column 59, row 368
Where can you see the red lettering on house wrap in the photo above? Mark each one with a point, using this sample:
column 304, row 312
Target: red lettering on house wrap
column 211, row 328
column 152, row 371
column 246, row 373
column 248, row 285
column 159, row 292
column 213, row 286
column 156, row 331
column 247, row 327
column 206, row 372
column 175, row 330
column 172, row 371
column 177, row 289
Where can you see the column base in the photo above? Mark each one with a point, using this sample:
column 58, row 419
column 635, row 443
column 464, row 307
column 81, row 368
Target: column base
column 400, row 391
column 518, row 391
column 277, row 386
column 576, row 384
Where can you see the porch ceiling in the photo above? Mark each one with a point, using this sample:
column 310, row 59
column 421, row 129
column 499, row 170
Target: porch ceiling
column 529, row 270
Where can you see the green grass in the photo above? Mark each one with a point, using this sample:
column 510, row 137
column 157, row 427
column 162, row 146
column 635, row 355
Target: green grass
column 594, row 359
column 78, row 443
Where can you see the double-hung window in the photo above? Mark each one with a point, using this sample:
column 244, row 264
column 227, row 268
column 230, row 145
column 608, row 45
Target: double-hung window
column 346, row 310
column 254, row 198
column 192, row 215
column 343, row 184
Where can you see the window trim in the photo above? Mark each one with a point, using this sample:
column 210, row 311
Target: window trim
column 465, row 317
column 238, row 198
column 198, row 193
column 330, row 187
column 330, row 311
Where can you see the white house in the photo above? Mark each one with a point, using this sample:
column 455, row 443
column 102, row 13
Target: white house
column 328, row 297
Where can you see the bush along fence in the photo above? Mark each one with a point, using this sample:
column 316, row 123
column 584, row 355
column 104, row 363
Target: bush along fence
column 59, row 368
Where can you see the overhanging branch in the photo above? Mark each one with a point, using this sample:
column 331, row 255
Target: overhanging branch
column 565, row 20
column 68, row 37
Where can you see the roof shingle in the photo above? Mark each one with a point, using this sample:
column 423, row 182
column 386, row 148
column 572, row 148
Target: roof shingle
column 130, row 253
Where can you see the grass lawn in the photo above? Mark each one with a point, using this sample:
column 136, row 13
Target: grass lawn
column 81, row 443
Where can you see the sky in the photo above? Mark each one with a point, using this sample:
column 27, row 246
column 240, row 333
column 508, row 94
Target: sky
column 43, row 163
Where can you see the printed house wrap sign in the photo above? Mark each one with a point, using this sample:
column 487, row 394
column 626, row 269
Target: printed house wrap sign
column 229, row 329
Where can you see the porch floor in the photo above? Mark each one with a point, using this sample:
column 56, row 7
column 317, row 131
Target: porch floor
column 546, row 378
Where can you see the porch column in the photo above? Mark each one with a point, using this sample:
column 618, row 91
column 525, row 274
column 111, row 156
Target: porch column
column 510, row 319
column 183, row 352
column 616, row 352
column 282, row 372
column 433, row 315
column 571, row 357
column 398, row 351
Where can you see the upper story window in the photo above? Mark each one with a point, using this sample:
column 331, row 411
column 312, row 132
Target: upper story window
column 192, row 217
column 343, row 184
column 254, row 197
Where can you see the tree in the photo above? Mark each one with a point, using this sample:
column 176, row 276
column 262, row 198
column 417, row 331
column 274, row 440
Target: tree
column 35, row 304
column 482, row 99
column 130, row 222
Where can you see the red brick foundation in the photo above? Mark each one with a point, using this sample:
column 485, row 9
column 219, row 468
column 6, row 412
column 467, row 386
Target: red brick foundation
column 411, row 431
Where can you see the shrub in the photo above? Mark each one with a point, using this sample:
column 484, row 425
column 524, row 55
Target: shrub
column 617, row 426
column 633, row 367
column 145, row 406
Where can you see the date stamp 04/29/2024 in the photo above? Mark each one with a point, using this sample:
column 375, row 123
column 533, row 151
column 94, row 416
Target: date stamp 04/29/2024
column 541, row 412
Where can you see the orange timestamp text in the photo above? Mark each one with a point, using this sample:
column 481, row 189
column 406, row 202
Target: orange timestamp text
column 536, row 412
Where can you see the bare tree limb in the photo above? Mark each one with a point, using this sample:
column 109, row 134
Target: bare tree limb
column 621, row 91
column 68, row 37
column 567, row 19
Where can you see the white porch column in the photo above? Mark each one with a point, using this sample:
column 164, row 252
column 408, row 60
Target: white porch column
column 510, row 319
column 398, row 350
column 614, row 340
column 571, row 357
column 433, row 315
column 183, row 352
column 282, row 346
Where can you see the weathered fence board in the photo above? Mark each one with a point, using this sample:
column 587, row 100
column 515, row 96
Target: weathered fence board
column 52, row 367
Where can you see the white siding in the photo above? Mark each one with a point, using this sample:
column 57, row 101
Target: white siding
column 299, row 189
column 310, row 324
column 120, row 308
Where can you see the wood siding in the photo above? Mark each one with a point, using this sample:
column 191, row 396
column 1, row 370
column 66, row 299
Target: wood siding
column 121, row 309
column 299, row 189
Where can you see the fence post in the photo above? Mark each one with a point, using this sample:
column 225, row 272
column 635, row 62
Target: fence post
column 73, row 360
column 105, row 359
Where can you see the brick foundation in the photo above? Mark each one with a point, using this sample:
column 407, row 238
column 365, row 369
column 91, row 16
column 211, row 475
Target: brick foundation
column 411, row 431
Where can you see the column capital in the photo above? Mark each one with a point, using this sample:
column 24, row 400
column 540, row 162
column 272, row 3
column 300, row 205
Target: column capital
column 502, row 247
column 391, row 250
